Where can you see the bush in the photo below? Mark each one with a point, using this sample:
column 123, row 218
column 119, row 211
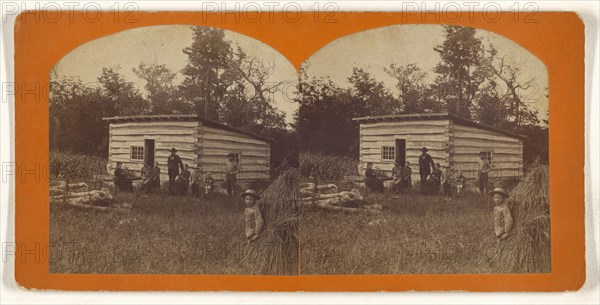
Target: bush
column 327, row 167
column 75, row 166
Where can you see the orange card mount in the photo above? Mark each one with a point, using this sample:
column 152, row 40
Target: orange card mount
column 557, row 39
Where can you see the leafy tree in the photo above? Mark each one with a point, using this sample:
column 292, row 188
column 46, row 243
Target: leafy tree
column 414, row 94
column 370, row 96
column 326, row 113
column 161, row 92
column 459, row 69
column 210, row 58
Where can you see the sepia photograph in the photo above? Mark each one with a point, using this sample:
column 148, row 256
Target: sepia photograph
column 173, row 150
column 424, row 150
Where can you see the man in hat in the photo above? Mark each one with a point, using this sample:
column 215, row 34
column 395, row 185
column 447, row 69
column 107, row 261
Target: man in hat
column 174, row 164
column 425, row 166
column 231, row 170
column 482, row 174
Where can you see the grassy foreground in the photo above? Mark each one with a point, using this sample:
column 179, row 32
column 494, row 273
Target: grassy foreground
column 414, row 234
column 162, row 234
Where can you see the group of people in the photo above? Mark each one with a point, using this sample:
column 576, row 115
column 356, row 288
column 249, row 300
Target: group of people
column 433, row 177
column 180, row 177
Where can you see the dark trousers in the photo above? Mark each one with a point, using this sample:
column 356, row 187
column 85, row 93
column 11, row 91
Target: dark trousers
column 173, row 173
column 447, row 190
column 423, row 181
column 230, row 183
column 483, row 183
column 195, row 190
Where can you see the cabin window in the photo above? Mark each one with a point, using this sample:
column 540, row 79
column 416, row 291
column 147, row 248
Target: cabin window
column 487, row 155
column 137, row 153
column 388, row 153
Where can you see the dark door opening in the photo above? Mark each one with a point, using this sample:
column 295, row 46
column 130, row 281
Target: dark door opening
column 401, row 151
column 149, row 152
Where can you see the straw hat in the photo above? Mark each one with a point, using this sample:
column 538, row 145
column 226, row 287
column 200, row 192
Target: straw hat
column 250, row 192
column 500, row 191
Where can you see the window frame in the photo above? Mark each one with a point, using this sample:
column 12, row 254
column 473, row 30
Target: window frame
column 133, row 152
column 391, row 151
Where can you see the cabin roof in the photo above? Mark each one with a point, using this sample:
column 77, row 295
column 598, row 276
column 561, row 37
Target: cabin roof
column 434, row 116
column 184, row 117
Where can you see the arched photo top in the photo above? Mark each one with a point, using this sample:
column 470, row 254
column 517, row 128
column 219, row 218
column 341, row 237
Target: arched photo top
column 430, row 56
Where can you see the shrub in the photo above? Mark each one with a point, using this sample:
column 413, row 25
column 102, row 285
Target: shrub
column 327, row 167
column 75, row 166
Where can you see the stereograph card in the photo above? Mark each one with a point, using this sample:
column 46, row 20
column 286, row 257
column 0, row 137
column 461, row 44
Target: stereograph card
column 355, row 151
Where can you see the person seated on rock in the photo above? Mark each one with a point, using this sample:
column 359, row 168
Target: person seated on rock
column 372, row 180
column 122, row 179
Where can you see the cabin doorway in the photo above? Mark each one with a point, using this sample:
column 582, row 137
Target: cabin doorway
column 401, row 151
column 149, row 151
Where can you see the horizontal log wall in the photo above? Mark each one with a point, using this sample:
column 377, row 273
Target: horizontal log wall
column 216, row 144
column 432, row 134
column 183, row 135
column 468, row 142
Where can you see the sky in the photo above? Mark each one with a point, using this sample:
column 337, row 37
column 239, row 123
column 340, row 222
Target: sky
column 375, row 49
column 164, row 45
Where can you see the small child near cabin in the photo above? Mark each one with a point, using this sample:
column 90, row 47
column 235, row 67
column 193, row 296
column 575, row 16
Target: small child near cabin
column 503, row 221
column 209, row 181
column 447, row 177
column 460, row 182
column 252, row 215
column 195, row 180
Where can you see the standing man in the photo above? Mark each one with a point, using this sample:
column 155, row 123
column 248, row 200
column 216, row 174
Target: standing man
column 231, row 170
column 425, row 166
column 174, row 164
column 482, row 175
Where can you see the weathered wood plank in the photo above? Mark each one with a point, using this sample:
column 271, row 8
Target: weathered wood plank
column 461, row 129
column 233, row 147
column 158, row 138
column 156, row 123
column 459, row 142
column 402, row 132
column 223, row 152
column 232, row 138
column 406, row 124
column 149, row 133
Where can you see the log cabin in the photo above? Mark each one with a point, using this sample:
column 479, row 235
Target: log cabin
column 201, row 143
column 449, row 140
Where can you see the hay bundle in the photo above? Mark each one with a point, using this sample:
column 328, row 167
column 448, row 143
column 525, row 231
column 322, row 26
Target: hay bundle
column 527, row 249
column 275, row 252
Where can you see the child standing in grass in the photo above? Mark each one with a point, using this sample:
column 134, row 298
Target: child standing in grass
column 252, row 215
column 460, row 182
column 195, row 181
column 447, row 177
column 209, row 181
column 503, row 220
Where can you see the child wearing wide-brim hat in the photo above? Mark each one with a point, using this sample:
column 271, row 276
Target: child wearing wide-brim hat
column 254, row 222
column 503, row 221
